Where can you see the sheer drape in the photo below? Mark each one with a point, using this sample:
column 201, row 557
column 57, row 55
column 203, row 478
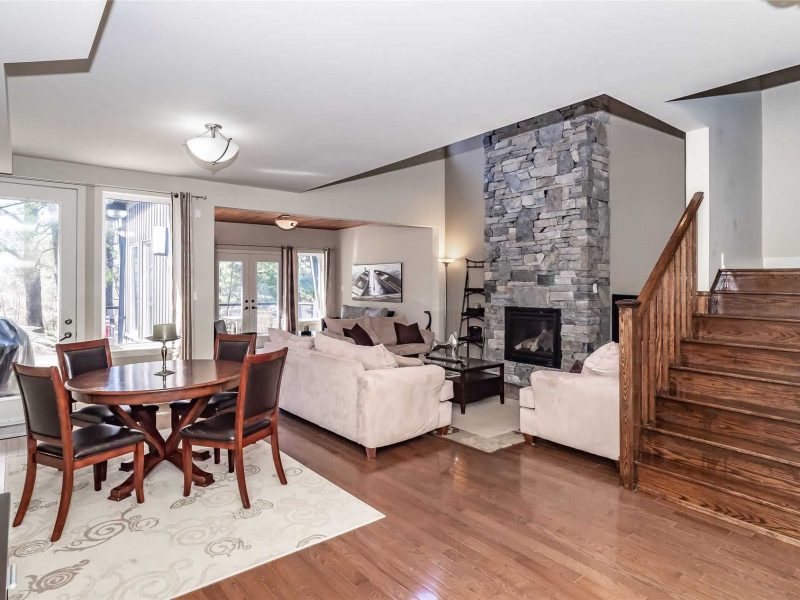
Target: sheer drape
column 330, row 305
column 182, row 269
column 289, row 288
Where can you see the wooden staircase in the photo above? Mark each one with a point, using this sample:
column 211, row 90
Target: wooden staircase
column 710, row 392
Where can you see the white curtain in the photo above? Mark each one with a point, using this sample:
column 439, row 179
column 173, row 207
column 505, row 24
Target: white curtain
column 329, row 304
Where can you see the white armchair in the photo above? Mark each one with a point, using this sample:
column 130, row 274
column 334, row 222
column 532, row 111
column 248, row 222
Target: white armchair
column 579, row 410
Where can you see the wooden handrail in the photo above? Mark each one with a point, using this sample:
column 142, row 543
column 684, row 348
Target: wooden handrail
column 651, row 285
column 650, row 330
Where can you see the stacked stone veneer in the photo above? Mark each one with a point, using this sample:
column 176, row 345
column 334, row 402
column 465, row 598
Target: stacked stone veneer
column 547, row 228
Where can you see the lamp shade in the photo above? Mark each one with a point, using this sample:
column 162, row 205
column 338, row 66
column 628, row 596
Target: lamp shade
column 446, row 261
column 164, row 332
column 211, row 146
column 286, row 222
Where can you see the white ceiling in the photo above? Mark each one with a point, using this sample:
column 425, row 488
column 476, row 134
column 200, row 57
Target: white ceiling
column 316, row 92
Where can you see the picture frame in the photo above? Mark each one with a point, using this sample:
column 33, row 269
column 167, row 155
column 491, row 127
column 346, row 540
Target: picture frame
column 377, row 282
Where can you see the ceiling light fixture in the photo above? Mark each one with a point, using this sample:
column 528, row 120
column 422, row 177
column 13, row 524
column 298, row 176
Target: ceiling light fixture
column 286, row 222
column 211, row 146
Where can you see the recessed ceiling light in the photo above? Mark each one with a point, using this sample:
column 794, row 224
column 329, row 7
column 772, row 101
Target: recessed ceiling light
column 211, row 146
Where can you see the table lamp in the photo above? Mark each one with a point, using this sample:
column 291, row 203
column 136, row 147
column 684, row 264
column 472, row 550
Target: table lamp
column 164, row 332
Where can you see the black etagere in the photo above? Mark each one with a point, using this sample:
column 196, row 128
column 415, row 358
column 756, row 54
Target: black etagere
column 469, row 332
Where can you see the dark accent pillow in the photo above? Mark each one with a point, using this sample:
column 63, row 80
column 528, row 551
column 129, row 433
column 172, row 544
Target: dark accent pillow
column 359, row 335
column 408, row 334
column 577, row 367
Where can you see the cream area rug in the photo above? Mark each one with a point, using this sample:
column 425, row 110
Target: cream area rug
column 487, row 425
column 170, row 545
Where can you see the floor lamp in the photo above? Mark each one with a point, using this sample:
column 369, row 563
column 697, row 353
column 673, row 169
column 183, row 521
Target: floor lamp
column 446, row 262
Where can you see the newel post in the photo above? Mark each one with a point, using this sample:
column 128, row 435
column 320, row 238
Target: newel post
column 630, row 390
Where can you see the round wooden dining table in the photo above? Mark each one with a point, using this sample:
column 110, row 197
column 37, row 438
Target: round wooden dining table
column 136, row 385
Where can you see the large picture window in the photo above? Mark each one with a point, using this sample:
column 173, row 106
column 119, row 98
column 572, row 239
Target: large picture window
column 137, row 266
column 310, row 286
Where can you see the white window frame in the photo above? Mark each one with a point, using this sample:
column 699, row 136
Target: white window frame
column 130, row 350
column 313, row 323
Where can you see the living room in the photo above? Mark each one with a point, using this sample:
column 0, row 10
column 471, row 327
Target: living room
column 527, row 324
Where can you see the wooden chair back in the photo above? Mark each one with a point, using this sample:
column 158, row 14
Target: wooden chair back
column 46, row 405
column 81, row 357
column 228, row 346
column 259, row 388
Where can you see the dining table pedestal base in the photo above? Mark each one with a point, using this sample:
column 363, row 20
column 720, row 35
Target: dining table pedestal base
column 160, row 449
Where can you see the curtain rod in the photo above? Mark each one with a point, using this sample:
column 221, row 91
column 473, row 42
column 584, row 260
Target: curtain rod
column 100, row 185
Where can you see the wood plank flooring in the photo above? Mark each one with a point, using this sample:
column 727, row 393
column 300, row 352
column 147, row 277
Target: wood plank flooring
column 526, row 522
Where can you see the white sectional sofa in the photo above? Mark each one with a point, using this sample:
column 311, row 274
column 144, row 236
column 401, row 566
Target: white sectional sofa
column 579, row 410
column 373, row 408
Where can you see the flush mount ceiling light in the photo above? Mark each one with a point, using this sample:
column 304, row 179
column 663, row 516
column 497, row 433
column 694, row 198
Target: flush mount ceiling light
column 286, row 222
column 211, row 146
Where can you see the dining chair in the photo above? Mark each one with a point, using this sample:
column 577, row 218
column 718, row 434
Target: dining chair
column 77, row 358
column 226, row 347
column 254, row 418
column 52, row 442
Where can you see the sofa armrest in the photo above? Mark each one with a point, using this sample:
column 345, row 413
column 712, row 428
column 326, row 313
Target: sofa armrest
column 428, row 336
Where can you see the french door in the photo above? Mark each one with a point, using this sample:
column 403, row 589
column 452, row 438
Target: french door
column 38, row 279
column 248, row 290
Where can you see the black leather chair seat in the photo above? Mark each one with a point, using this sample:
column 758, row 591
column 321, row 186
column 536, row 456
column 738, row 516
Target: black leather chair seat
column 95, row 414
column 94, row 439
column 220, row 428
column 219, row 402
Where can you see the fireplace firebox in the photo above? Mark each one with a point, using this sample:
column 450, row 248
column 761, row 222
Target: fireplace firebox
column 533, row 336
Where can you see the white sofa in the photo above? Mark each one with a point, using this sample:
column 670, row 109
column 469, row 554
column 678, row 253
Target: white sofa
column 579, row 410
column 373, row 408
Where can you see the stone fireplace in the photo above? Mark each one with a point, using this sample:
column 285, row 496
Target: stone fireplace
column 547, row 233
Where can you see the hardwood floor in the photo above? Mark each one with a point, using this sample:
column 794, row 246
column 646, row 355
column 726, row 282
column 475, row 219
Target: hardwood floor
column 525, row 522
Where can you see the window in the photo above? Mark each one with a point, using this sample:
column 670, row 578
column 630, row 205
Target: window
column 137, row 266
column 310, row 286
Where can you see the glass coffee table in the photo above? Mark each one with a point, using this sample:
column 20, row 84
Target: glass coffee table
column 473, row 378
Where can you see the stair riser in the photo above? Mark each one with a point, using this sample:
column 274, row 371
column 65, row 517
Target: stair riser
column 744, row 331
column 760, row 281
column 748, row 427
column 759, row 393
column 756, row 306
column 749, row 359
column 770, row 473
column 710, row 500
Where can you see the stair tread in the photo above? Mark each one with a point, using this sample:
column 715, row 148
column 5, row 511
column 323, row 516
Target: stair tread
column 727, row 342
column 747, row 408
column 724, row 482
column 724, row 342
column 753, row 293
column 779, row 378
column 746, row 317
column 728, row 442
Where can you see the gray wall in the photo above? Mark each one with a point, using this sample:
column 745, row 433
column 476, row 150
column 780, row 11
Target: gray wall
column 781, row 175
column 646, row 188
column 464, row 220
column 412, row 246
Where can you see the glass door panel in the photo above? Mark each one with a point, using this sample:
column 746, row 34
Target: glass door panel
column 264, row 304
column 231, row 291
column 38, row 270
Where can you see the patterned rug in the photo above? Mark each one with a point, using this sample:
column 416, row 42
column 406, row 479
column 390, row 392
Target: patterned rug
column 487, row 425
column 170, row 545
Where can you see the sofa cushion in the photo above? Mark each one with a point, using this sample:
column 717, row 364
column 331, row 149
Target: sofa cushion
column 407, row 361
column 336, row 336
column 604, row 361
column 383, row 328
column 279, row 336
column 352, row 312
column 408, row 349
column 371, row 357
column 338, row 326
column 408, row 334
column 359, row 335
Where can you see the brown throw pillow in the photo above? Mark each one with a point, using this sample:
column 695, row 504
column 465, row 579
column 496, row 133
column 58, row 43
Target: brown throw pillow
column 408, row 334
column 577, row 367
column 359, row 335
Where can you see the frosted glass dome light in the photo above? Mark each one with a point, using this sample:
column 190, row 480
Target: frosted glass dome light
column 213, row 147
